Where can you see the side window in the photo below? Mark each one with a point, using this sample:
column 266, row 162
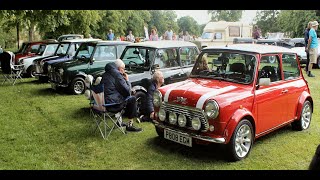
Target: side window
column 34, row 48
column 188, row 56
column 105, row 53
column 218, row 35
column 170, row 58
column 290, row 66
column 120, row 49
column 270, row 68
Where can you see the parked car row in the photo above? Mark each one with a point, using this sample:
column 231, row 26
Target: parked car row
column 245, row 92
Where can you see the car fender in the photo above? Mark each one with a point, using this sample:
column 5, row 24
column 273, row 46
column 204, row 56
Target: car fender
column 234, row 120
column 304, row 96
column 139, row 88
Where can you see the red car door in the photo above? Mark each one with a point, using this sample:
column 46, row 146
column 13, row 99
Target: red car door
column 271, row 100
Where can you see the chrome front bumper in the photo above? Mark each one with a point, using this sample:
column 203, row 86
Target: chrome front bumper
column 203, row 138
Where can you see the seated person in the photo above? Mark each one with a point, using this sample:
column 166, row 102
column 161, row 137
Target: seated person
column 157, row 81
column 116, row 89
column 201, row 65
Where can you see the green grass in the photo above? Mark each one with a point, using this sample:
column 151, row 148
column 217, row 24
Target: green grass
column 43, row 129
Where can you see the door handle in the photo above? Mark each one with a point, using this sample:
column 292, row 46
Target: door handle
column 284, row 91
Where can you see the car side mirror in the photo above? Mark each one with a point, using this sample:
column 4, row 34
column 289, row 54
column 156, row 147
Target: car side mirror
column 264, row 81
column 92, row 60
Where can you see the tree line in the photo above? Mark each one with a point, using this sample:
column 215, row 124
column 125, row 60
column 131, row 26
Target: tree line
column 31, row 25
column 28, row 25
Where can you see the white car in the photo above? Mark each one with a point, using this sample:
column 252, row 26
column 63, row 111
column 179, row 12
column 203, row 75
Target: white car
column 44, row 50
column 303, row 55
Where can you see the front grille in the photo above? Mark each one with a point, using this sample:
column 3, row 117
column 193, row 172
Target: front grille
column 55, row 77
column 189, row 113
column 39, row 68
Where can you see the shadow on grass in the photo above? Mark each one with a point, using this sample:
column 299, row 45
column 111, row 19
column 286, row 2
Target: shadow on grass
column 204, row 153
column 207, row 153
column 50, row 92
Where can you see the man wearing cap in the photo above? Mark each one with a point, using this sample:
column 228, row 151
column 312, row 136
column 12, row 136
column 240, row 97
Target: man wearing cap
column 312, row 46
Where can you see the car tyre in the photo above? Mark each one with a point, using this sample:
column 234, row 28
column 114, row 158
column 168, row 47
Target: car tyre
column 77, row 86
column 241, row 141
column 141, row 98
column 305, row 117
column 31, row 71
column 159, row 132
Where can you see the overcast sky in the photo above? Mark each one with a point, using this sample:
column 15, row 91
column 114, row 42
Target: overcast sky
column 202, row 17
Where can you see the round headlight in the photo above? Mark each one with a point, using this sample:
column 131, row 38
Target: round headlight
column 157, row 98
column 49, row 67
column 172, row 118
column 196, row 123
column 162, row 114
column 212, row 109
column 61, row 71
column 182, row 120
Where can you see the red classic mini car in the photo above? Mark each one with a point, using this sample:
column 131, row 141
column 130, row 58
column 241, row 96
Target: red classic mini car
column 234, row 95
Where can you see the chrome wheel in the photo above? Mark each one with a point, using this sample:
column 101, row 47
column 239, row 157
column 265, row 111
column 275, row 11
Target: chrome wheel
column 78, row 87
column 306, row 116
column 243, row 140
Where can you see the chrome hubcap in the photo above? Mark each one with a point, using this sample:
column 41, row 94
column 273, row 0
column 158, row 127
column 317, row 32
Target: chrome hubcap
column 78, row 87
column 306, row 116
column 243, row 140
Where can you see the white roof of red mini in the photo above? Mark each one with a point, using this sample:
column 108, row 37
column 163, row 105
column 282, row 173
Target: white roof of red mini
column 253, row 48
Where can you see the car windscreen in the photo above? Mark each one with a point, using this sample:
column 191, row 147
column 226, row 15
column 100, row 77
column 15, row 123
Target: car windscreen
column 138, row 58
column 41, row 49
column 227, row 66
column 104, row 52
column 51, row 48
column 62, row 49
column 22, row 48
column 85, row 51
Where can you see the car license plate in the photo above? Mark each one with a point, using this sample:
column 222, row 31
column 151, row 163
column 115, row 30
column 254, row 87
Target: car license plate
column 54, row 86
column 177, row 137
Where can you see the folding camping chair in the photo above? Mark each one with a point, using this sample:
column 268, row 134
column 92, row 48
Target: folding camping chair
column 100, row 111
column 10, row 72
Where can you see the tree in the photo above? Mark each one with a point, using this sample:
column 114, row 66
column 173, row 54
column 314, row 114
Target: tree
column 294, row 22
column 162, row 20
column 58, row 22
column 225, row 15
column 187, row 23
column 136, row 22
column 267, row 21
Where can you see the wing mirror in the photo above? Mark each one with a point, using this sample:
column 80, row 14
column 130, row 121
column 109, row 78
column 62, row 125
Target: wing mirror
column 264, row 81
column 92, row 60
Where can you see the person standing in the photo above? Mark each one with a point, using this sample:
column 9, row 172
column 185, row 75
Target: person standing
column 168, row 34
column 312, row 47
column 153, row 35
column 146, row 34
column 130, row 37
column 110, row 35
column 256, row 34
column 306, row 38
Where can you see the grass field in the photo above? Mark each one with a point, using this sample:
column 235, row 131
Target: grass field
column 43, row 129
